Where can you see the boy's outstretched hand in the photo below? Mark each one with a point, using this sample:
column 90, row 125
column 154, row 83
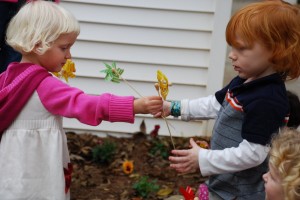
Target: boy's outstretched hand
column 186, row 161
column 148, row 105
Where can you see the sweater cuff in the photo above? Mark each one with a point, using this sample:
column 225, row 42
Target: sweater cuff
column 121, row 109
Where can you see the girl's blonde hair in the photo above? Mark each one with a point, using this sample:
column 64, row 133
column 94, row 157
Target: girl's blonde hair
column 39, row 23
column 285, row 157
column 273, row 24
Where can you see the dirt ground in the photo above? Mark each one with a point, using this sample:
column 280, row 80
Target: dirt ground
column 103, row 178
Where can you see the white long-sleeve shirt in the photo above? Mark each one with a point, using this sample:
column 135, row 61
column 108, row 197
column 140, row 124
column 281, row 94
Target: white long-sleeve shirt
column 233, row 159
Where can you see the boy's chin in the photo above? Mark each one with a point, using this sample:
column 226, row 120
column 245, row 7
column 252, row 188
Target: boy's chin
column 242, row 76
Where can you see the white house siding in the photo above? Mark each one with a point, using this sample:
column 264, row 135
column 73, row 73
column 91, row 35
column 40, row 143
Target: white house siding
column 183, row 39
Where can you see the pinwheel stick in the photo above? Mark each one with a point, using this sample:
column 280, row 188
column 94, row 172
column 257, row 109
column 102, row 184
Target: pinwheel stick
column 163, row 115
column 167, row 123
column 116, row 72
column 157, row 88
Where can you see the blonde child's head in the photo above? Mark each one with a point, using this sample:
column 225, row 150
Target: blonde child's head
column 39, row 23
column 285, row 159
column 273, row 24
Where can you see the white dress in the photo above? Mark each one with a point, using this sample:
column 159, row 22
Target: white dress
column 33, row 155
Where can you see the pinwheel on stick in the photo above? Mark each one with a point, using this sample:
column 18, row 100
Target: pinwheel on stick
column 187, row 193
column 162, row 88
column 67, row 71
column 113, row 74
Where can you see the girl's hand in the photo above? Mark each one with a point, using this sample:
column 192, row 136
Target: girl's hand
column 148, row 105
column 186, row 161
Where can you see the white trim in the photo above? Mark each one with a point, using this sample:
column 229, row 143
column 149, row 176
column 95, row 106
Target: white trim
column 186, row 5
column 218, row 47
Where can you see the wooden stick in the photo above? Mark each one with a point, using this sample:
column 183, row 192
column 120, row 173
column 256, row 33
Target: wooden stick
column 163, row 116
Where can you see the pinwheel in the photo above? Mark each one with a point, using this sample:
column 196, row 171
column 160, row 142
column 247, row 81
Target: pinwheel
column 113, row 74
column 162, row 88
column 67, row 71
column 163, row 84
column 187, row 193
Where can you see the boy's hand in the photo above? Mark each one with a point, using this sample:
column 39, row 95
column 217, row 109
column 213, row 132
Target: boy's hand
column 165, row 110
column 186, row 161
column 148, row 105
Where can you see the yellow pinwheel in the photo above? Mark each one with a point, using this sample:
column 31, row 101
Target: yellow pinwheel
column 163, row 84
column 162, row 88
column 67, row 71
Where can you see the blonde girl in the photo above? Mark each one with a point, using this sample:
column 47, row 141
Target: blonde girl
column 34, row 157
column 282, row 181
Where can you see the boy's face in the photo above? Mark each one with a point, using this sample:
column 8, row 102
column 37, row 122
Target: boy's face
column 251, row 63
column 273, row 187
column 56, row 56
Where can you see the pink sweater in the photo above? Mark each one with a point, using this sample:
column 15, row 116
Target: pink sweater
column 61, row 99
column 12, row 1
column 15, row 1
column 19, row 81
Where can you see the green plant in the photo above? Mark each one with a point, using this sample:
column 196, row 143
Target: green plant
column 104, row 153
column 144, row 187
column 159, row 148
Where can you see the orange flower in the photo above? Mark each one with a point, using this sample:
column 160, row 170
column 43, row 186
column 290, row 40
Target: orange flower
column 67, row 70
column 128, row 167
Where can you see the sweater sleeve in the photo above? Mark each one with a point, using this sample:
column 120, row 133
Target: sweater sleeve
column 61, row 99
column 11, row 1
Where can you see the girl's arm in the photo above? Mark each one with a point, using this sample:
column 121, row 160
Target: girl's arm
column 61, row 99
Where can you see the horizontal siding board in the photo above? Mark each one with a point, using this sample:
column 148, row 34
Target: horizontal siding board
column 143, row 54
column 141, row 17
column 177, row 127
column 144, row 72
column 186, row 5
column 97, row 86
column 145, row 36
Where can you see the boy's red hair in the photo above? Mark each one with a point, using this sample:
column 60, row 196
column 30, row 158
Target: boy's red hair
column 275, row 25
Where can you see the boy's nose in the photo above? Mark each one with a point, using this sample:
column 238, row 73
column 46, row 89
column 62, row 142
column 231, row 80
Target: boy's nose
column 231, row 56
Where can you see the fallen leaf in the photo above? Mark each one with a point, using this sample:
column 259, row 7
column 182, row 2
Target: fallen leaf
column 164, row 192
